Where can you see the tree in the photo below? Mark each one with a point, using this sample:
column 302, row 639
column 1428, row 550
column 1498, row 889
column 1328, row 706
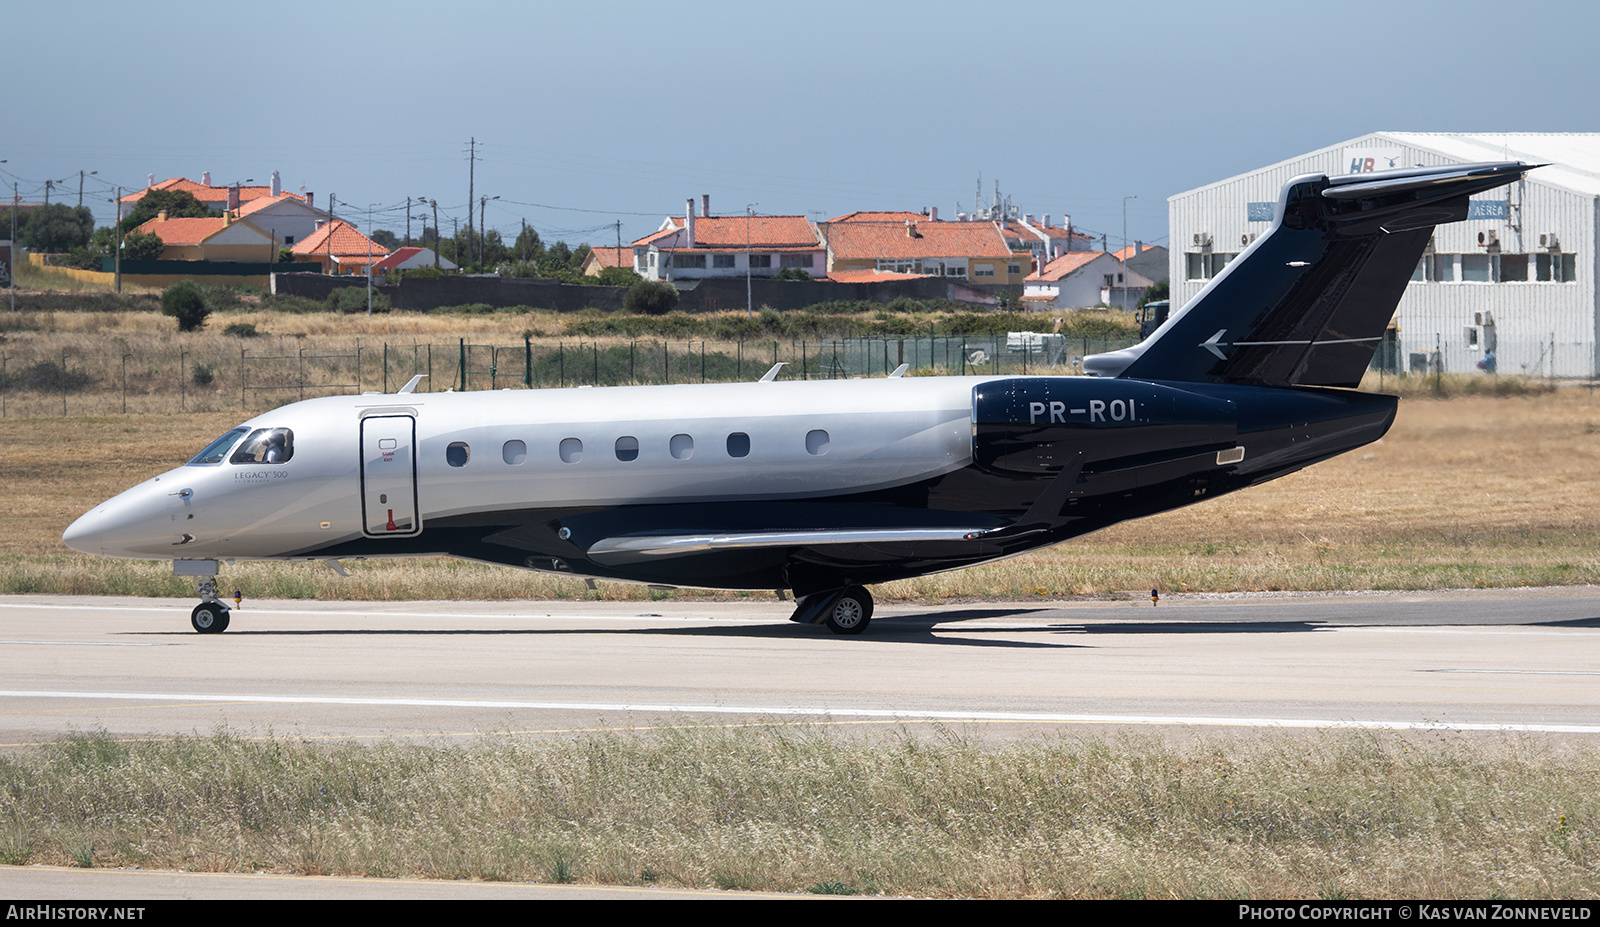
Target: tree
column 185, row 302
column 386, row 238
column 58, row 228
column 1162, row 290
column 650, row 298
column 142, row 246
column 177, row 204
column 792, row 273
column 528, row 246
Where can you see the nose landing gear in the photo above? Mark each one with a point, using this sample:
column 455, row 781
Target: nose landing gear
column 211, row 615
column 209, row 618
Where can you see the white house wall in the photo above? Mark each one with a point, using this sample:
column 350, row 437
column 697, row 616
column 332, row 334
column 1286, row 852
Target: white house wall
column 1528, row 316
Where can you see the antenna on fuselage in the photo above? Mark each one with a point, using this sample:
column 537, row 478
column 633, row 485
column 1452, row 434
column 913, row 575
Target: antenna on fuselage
column 899, row 371
column 772, row 374
column 411, row 384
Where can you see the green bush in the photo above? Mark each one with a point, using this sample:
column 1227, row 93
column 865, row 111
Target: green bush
column 185, row 302
column 139, row 246
column 241, row 330
column 619, row 276
column 203, row 375
column 49, row 376
column 651, row 298
column 352, row 300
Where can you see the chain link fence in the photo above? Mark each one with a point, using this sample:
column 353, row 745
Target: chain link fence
column 38, row 384
column 77, row 383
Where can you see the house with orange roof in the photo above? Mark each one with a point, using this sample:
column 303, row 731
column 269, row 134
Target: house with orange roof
column 1082, row 279
column 287, row 217
column 1046, row 241
column 695, row 247
column 222, row 238
column 603, row 256
column 971, row 251
column 340, row 249
column 411, row 258
column 218, row 198
column 870, row 215
column 1149, row 260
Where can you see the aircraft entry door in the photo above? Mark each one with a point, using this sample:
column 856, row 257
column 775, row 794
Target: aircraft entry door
column 389, row 476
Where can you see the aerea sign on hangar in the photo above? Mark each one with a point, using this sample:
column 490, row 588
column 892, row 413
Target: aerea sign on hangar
column 1517, row 279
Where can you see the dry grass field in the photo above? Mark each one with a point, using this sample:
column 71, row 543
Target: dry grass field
column 1466, row 491
column 782, row 808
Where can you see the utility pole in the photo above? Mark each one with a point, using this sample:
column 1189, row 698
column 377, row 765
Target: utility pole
column 483, row 238
column 436, row 242
column 369, row 255
column 80, row 186
column 749, row 299
column 1125, row 255
column 331, row 200
column 116, row 243
column 15, row 200
column 408, row 222
column 472, row 164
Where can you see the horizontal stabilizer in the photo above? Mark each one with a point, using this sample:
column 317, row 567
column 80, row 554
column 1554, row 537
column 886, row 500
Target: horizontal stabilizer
column 1308, row 302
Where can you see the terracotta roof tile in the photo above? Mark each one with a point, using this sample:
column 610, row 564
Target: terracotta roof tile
column 857, row 241
column 211, row 196
column 1122, row 254
column 768, row 233
column 867, row 215
column 183, row 231
column 868, row 275
column 346, row 241
column 1065, row 265
column 612, row 256
column 262, row 202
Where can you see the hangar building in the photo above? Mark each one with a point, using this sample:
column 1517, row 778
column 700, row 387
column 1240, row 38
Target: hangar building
column 1516, row 280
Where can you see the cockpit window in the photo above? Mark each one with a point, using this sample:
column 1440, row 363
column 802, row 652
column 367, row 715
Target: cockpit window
column 265, row 445
column 217, row 450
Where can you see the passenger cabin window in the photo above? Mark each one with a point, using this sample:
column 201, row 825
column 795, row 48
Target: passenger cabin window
column 514, row 452
column 571, row 450
column 738, row 444
column 627, row 448
column 457, row 454
column 265, row 446
column 217, row 451
column 817, row 442
column 682, row 447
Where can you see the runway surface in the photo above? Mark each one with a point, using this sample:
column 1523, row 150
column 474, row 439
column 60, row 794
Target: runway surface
column 1499, row 660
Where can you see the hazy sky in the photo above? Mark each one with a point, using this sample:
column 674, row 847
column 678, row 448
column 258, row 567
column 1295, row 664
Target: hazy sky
column 588, row 114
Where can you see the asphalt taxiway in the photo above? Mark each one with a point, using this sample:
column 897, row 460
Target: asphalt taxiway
column 1524, row 661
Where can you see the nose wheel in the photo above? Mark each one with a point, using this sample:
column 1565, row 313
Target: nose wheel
column 209, row 618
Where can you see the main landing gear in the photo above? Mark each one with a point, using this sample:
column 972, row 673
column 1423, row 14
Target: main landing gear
column 844, row 611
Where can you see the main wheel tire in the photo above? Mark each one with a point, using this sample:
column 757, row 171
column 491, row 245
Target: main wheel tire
column 851, row 612
column 209, row 618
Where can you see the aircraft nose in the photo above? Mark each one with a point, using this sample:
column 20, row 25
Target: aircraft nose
column 129, row 525
column 99, row 530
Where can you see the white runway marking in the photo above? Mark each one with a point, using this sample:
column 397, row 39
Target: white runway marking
column 883, row 713
column 94, row 643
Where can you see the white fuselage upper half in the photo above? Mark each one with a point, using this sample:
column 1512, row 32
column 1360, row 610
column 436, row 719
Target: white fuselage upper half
column 376, row 464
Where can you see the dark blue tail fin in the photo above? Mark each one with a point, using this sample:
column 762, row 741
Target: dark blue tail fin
column 1307, row 303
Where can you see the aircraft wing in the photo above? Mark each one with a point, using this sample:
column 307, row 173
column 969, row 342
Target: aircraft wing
column 640, row 547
